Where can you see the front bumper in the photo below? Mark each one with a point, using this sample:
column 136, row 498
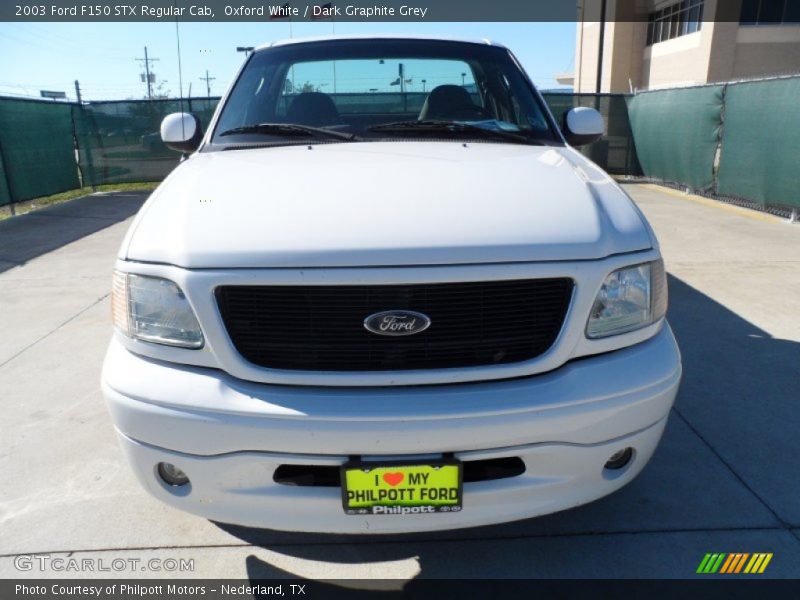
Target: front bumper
column 229, row 436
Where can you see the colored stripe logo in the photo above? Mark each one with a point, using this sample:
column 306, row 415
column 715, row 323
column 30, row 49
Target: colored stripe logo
column 735, row 562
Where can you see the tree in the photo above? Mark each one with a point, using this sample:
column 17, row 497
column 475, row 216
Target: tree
column 159, row 93
column 306, row 87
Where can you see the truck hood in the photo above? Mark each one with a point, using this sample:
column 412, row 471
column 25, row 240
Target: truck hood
column 385, row 203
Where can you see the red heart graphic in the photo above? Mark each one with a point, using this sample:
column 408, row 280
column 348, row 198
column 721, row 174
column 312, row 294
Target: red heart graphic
column 393, row 479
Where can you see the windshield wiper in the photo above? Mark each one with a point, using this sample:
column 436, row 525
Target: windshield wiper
column 293, row 129
column 436, row 126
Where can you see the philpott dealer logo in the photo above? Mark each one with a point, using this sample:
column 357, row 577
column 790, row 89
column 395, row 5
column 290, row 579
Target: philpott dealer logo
column 733, row 563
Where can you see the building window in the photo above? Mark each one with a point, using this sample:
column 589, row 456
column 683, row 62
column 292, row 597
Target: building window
column 675, row 20
column 770, row 12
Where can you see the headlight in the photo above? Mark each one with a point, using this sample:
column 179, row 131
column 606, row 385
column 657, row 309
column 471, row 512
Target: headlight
column 154, row 310
column 629, row 299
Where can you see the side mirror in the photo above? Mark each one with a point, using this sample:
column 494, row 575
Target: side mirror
column 182, row 132
column 582, row 125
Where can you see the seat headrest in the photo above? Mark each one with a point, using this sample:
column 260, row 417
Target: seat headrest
column 446, row 101
column 313, row 108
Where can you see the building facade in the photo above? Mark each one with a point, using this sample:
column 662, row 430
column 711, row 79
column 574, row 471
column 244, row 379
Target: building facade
column 652, row 44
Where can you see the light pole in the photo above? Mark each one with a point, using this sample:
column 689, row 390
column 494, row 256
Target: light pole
column 463, row 75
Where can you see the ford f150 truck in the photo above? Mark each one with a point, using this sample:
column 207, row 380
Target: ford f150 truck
column 384, row 293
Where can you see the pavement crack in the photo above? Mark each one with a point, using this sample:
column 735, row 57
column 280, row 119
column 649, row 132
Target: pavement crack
column 786, row 526
column 52, row 331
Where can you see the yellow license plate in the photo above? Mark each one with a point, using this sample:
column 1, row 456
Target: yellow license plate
column 401, row 489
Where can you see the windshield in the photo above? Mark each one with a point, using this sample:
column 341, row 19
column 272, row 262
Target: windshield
column 373, row 89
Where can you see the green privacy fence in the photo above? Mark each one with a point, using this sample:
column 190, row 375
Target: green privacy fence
column 738, row 139
column 49, row 147
column 118, row 141
column 5, row 192
column 760, row 154
column 735, row 140
column 37, row 153
column 676, row 133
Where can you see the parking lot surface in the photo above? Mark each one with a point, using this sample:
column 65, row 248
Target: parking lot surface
column 723, row 480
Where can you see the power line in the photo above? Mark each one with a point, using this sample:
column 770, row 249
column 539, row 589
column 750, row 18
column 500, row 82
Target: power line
column 18, row 94
column 52, row 46
column 208, row 81
column 57, row 42
column 148, row 78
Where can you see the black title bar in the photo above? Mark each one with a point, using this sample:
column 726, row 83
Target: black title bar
column 344, row 10
column 710, row 587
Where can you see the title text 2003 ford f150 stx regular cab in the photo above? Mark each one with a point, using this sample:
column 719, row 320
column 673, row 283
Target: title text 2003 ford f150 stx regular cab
column 385, row 294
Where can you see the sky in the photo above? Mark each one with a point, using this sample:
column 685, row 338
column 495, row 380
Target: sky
column 102, row 56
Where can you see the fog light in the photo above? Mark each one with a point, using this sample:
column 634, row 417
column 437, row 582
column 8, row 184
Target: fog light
column 620, row 459
column 172, row 475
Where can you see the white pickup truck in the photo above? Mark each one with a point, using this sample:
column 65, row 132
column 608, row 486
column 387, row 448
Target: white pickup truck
column 385, row 294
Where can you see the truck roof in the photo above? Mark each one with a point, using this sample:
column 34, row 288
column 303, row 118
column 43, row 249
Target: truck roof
column 370, row 36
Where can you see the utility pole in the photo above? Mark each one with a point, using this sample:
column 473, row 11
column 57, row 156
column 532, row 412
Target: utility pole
column 75, row 145
column 208, row 81
column 600, row 47
column 147, row 62
column 401, row 70
column 87, row 149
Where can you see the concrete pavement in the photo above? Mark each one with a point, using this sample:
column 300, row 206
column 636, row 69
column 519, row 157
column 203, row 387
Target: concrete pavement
column 723, row 479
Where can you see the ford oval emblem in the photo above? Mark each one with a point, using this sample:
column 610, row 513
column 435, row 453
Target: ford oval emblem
column 397, row 322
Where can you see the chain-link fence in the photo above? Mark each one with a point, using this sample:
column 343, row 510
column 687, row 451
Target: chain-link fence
column 677, row 132
column 735, row 140
column 759, row 157
column 37, row 150
column 49, row 147
column 120, row 141
column 615, row 152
